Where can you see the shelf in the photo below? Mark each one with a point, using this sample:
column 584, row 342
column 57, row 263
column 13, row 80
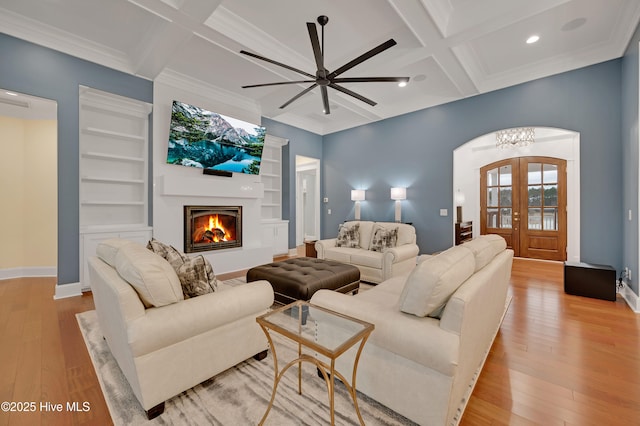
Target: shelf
column 111, row 180
column 111, row 134
column 94, row 229
column 112, row 203
column 463, row 232
column 241, row 186
column 271, row 175
column 101, row 156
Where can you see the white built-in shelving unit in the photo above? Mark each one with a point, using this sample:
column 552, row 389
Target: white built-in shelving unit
column 114, row 155
column 275, row 230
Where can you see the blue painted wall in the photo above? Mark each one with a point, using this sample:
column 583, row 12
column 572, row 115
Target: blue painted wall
column 630, row 157
column 416, row 150
column 38, row 71
column 413, row 150
column 301, row 142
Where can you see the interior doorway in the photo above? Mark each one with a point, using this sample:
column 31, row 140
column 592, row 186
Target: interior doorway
column 307, row 199
column 28, row 186
column 470, row 157
column 524, row 200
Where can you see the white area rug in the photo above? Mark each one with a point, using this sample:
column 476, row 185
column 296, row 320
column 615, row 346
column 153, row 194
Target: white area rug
column 238, row 396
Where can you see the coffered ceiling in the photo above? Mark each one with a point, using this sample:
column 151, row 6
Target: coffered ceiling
column 451, row 49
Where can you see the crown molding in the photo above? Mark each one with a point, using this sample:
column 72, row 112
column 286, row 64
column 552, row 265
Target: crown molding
column 623, row 32
column 99, row 99
column 198, row 87
column 62, row 41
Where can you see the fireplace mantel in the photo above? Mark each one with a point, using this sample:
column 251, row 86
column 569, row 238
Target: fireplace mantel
column 210, row 186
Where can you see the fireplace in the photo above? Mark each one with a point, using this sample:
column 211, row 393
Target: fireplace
column 212, row 228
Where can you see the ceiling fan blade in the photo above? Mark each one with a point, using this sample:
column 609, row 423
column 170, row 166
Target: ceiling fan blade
column 378, row 49
column 304, row 92
column 354, row 94
column 278, row 83
column 315, row 45
column 271, row 61
column 325, row 99
column 370, row 79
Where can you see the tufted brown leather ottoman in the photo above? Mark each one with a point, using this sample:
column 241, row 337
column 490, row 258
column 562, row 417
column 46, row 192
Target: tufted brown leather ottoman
column 299, row 278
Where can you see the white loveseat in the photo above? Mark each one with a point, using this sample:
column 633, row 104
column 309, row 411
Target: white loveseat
column 423, row 362
column 375, row 266
column 167, row 349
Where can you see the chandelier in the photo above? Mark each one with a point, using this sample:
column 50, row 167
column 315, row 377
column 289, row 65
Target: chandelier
column 512, row 138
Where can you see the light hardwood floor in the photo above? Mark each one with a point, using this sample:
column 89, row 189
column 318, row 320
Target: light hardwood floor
column 557, row 360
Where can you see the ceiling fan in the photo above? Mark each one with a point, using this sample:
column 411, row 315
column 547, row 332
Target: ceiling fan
column 323, row 77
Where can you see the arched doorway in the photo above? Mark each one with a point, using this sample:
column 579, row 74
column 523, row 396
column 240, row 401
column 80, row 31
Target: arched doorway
column 470, row 157
column 524, row 199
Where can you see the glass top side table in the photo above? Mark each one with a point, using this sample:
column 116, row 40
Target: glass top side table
column 299, row 322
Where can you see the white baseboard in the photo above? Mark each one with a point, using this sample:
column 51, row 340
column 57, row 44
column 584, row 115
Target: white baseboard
column 28, row 271
column 631, row 298
column 67, row 290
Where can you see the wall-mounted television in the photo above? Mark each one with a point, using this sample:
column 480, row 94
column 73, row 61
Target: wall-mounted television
column 208, row 140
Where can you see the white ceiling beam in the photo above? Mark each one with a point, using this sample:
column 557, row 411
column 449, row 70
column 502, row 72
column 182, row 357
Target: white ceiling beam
column 155, row 51
column 422, row 26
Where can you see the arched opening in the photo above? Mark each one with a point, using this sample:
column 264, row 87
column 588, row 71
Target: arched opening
column 563, row 144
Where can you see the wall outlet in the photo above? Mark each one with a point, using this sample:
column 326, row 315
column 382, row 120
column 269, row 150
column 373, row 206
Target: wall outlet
column 328, row 211
column 627, row 273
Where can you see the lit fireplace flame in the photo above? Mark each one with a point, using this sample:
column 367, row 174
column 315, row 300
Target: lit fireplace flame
column 215, row 231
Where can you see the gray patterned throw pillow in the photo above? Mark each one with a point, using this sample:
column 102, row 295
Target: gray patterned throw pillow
column 197, row 277
column 167, row 252
column 196, row 274
column 348, row 236
column 384, row 238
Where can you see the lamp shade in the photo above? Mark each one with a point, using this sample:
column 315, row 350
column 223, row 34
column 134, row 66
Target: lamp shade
column 398, row 193
column 459, row 198
column 357, row 195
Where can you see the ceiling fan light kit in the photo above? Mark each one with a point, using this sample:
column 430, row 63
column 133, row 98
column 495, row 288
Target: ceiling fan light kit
column 323, row 78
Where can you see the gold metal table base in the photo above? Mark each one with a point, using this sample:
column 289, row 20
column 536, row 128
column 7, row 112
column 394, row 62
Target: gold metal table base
column 328, row 373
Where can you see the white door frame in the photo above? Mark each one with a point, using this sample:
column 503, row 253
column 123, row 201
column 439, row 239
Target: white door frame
column 550, row 142
column 306, row 164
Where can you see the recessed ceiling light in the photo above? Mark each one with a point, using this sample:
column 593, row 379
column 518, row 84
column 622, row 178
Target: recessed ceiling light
column 533, row 39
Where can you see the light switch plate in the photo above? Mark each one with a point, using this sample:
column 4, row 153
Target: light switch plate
column 444, row 212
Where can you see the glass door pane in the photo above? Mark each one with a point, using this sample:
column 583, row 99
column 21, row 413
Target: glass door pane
column 499, row 197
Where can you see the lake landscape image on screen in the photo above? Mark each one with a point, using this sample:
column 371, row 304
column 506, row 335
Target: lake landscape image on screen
column 205, row 139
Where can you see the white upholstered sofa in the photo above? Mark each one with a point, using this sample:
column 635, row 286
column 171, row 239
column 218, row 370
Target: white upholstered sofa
column 375, row 266
column 166, row 349
column 433, row 330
